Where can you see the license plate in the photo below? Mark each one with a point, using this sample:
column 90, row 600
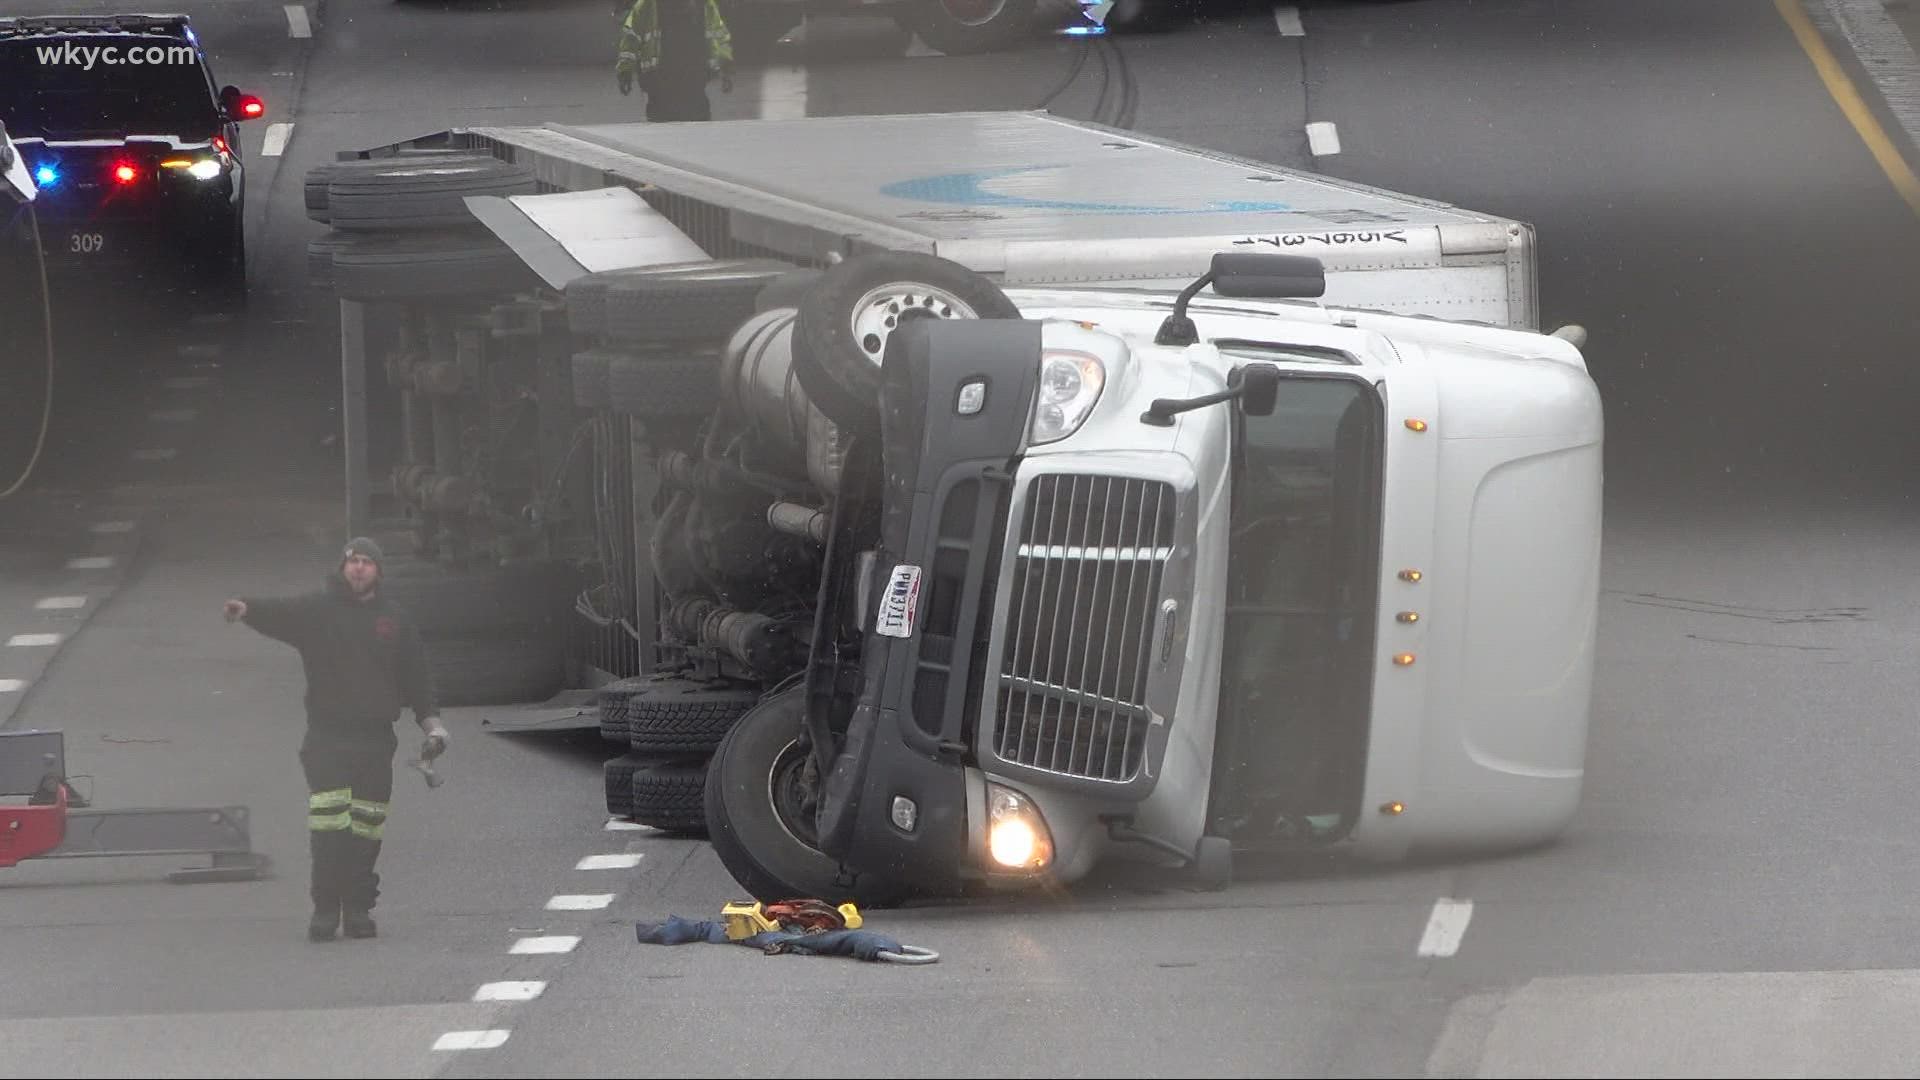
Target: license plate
column 86, row 243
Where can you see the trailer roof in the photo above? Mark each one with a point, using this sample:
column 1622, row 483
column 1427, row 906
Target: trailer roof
column 1004, row 176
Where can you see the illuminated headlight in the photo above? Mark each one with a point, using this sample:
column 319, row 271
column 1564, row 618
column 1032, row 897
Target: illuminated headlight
column 1017, row 836
column 199, row 169
column 1070, row 385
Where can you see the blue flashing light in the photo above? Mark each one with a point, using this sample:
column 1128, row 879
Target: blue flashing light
column 1084, row 31
column 46, row 176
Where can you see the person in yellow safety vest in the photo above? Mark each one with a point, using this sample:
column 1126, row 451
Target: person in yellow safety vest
column 672, row 49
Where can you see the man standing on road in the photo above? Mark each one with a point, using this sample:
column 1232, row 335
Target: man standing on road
column 364, row 662
column 673, row 48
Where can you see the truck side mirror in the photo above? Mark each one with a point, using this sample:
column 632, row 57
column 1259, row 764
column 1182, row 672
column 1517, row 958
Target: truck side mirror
column 1267, row 276
column 239, row 106
column 1259, row 386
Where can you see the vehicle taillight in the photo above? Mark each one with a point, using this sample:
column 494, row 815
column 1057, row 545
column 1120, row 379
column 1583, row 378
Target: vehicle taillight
column 220, row 144
column 251, row 106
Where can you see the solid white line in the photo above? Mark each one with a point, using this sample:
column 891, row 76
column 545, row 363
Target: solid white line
column 173, row 416
column 163, row 454
column 471, row 1040
column 626, row 861
column 1288, row 20
column 104, row 527
column 276, row 141
column 582, row 902
column 1323, row 138
column 22, row 641
column 783, row 92
column 297, row 24
column 1445, row 927
column 509, row 991
column 91, row 562
column 538, row 946
column 60, row 603
column 615, row 824
column 8, row 686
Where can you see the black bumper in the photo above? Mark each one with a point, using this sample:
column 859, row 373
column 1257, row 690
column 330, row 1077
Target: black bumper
column 948, row 477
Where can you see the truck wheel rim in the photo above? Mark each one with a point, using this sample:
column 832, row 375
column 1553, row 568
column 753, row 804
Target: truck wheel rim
column 788, row 797
column 879, row 312
column 973, row 12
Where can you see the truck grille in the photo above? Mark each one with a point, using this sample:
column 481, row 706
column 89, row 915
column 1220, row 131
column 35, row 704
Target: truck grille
column 1091, row 554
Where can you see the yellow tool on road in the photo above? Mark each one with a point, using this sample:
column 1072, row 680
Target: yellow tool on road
column 746, row 919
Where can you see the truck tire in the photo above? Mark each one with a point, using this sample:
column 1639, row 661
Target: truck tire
column 685, row 717
column 967, row 27
column 615, row 719
column 670, row 794
column 689, row 303
column 662, row 387
column 320, row 252
column 618, row 773
column 847, row 316
column 429, row 265
column 320, row 176
column 760, row 830
column 419, row 192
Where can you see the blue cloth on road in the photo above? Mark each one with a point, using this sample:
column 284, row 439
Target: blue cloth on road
column 859, row 944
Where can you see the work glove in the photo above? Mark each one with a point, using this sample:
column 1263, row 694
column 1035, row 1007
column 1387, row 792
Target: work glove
column 435, row 743
column 626, row 81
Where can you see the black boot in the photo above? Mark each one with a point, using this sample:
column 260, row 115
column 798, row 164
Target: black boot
column 326, row 919
column 329, row 855
column 358, row 924
column 361, row 888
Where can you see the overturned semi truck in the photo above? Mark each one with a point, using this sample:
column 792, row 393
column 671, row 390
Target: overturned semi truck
column 983, row 497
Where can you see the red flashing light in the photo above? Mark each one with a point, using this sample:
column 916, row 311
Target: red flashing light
column 125, row 173
column 251, row 106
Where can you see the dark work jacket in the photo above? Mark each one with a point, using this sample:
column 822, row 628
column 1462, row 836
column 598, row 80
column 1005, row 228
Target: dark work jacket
column 364, row 660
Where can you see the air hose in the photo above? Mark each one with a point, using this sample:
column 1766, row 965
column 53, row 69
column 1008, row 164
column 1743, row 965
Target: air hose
column 46, row 408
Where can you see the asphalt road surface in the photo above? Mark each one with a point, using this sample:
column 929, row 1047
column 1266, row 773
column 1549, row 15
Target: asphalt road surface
column 1733, row 899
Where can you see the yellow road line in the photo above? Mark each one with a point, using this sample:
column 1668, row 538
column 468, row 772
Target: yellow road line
column 1851, row 103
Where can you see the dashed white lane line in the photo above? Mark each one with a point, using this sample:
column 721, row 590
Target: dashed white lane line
column 580, row 902
column 155, row 454
column 624, row 861
column 509, row 991
column 173, row 416
column 1445, row 927
column 91, row 562
column 275, row 142
column 1323, row 138
column 544, row 946
column 8, row 686
column 1288, row 20
column 60, row 603
column 28, row 641
column 472, row 1040
column 297, row 23
column 105, row 528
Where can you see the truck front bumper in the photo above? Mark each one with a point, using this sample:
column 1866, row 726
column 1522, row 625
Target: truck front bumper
column 898, row 801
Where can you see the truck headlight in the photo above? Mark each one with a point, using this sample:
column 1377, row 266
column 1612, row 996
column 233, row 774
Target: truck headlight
column 1017, row 836
column 1070, row 385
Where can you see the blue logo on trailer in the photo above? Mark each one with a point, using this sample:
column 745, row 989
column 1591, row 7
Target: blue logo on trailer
column 970, row 189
